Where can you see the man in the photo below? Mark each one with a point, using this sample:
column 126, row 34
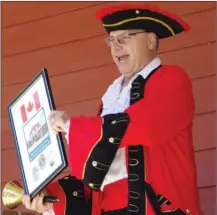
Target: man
column 136, row 156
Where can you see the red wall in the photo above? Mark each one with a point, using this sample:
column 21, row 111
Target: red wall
column 65, row 38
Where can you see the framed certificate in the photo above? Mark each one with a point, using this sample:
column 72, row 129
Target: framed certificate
column 40, row 152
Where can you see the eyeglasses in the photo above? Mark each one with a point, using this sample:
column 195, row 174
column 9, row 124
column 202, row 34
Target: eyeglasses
column 123, row 38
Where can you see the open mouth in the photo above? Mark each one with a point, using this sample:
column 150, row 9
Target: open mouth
column 122, row 58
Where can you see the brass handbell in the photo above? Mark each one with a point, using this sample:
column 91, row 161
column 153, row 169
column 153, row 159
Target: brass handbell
column 13, row 192
column 12, row 195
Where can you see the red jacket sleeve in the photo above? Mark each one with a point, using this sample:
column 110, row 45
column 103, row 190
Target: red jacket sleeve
column 93, row 143
column 167, row 107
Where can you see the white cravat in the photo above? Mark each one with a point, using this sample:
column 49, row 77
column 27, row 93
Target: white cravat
column 116, row 100
column 49, row 212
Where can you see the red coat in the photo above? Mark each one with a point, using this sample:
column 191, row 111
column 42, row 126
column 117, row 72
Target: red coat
column 160, row 121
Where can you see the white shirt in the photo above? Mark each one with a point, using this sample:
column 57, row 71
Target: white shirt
column 116, row 100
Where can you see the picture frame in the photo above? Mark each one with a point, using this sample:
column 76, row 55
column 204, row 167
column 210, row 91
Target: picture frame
column 40, row 152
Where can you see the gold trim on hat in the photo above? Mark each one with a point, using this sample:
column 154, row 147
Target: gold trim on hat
column 141, row 18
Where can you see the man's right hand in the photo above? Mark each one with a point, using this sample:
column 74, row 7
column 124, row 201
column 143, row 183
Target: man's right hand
column 36, row 204
column 57, row 121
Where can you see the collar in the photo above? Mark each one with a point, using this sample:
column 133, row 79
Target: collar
column 113, row 91
column 144, row 72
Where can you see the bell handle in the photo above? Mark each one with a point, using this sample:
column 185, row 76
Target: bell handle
column 50, row 199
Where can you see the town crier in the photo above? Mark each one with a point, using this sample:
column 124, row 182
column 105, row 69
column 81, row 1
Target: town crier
column 136, row 156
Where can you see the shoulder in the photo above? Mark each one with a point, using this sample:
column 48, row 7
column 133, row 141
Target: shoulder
column 170, row 74
column 174, row 70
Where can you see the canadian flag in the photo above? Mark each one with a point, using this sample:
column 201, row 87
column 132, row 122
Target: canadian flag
column 30, row 107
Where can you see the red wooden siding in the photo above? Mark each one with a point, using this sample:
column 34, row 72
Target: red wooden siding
column 66, row 38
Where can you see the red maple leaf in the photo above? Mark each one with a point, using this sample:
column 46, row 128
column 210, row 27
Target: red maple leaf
column 30, row 107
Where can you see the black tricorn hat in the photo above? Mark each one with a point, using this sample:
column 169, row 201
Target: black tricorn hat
column 148, row 18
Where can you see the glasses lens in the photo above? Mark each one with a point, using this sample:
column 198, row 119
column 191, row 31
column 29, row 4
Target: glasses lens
column 108, row 41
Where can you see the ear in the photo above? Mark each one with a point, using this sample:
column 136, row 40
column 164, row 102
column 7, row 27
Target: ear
column 152, row 41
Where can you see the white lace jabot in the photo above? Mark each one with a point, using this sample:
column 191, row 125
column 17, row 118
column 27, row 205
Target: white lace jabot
column 116, row 100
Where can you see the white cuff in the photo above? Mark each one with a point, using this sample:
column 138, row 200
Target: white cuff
column 49, row 212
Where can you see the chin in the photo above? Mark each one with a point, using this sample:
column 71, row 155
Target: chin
column 124, row 69
column 123, row 72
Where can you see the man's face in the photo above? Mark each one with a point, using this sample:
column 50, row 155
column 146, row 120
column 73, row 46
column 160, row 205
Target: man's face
column 132, row 52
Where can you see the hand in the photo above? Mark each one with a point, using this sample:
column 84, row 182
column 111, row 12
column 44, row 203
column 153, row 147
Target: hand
column 36, row 204
column 57, row 121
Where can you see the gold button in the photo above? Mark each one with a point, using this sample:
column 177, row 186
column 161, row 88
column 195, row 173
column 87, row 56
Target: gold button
column 114, row 122
column 94, row 163
column 111, row 140
column 188, row 211
column 66, row 177
column 91, row 185
column 75, row 193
